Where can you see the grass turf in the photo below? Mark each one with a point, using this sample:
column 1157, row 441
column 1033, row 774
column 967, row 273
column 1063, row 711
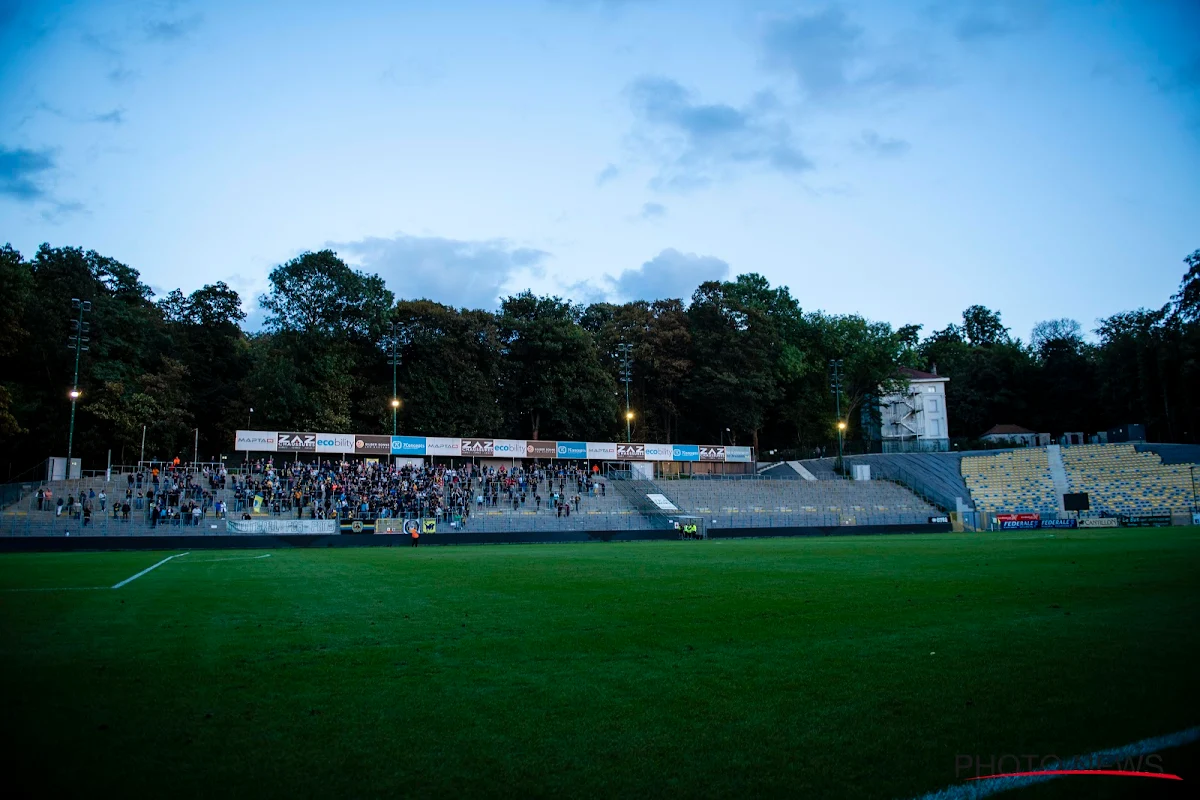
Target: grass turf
column 844, row 666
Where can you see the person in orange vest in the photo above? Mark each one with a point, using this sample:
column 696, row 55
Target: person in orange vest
column 416, row 534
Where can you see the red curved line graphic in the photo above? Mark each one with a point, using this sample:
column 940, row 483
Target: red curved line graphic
column 1054, row 772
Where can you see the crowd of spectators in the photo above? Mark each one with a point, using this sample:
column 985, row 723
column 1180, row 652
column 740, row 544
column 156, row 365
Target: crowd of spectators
column 174, row 494
column 373, row 490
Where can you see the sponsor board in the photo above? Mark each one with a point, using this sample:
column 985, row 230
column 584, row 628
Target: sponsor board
column 282, row 526
column 373, row 445
column 478, row 447
column 408, row 445
column 1195, row 518
column 1018, row 517
column 1146, row 520
column 1100, row 522
column 335, row 443
column 571, row 450
column 712, row 452
column 685, row 452
column 1048, row 524
column 659, row 452
column 740, row 455
column 601, row 451
column 509, row 448
column 662, row 502
column 939, row 520
column 631, row 452
column 288, row 442
column 255, row 440
column 541, row 449
column 442, row 446
column 1019, row 524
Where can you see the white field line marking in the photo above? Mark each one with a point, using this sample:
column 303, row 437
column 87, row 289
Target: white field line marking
column 61, row 589
column 147, row 569
column 234, row 558
column 979, row 789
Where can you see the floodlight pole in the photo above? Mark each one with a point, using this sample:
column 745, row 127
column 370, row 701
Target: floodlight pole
column 625, row 350
column 78, row 342
column 395, row 362
column 835, row 366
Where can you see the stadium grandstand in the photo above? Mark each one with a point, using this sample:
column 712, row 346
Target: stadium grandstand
column 329, row 495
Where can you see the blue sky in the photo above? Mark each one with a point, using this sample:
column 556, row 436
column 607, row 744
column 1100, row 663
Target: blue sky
column 899, row 160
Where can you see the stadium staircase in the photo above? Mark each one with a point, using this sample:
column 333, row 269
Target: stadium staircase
column 636, row 492
column 1058, row 472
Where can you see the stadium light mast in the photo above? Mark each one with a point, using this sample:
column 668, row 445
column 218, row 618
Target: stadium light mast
column 77, row 341
column 626, row 373
column 395, row 360
column 835, row 386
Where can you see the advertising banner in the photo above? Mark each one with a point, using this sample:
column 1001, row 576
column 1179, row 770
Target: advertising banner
column 509, row 448
column 659, row 452
column 262, row 441
column 287, row 442
column 1018, row 517
column 280, row 526
column 631, row 452
column 408, row 445
column 478, row 447
column 1147, row 520
column 1018, row 524
column 601, row 451
column 540, row 449
column 939, row 520
column 335, row 443
column 373, row 445
column 1049, row 524
column 571, row 450
column 738, row 454
column 442, row 446
column 685, row 452
column 709, row 452
column 1100, row 522
column 662, row 502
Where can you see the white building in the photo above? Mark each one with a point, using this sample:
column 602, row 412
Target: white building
column 1014, row 436
column 915, row 419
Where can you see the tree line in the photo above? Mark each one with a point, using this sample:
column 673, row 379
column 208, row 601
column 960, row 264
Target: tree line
column 738, row 362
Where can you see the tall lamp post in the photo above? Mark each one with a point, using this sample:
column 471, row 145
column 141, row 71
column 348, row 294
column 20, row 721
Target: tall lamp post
column 395, row 360
column 626, row 351
column 835, row 386
column 77, row 341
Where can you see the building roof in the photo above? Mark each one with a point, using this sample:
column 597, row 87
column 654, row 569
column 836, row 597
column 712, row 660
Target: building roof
column 1007, row 430
column 918, row 375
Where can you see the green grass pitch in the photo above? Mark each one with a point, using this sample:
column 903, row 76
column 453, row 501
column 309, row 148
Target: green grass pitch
column 831, row 667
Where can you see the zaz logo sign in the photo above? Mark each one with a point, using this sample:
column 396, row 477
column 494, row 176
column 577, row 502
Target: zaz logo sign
column 297, row 442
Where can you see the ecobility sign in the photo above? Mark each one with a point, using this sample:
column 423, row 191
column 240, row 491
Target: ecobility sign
column 335, row 443
column 288, row 442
